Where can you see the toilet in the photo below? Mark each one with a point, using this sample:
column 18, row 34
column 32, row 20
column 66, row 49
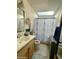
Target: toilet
column 37, row 43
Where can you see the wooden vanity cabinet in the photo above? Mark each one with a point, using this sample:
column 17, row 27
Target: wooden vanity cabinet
column 31, row 49
column 27, row 51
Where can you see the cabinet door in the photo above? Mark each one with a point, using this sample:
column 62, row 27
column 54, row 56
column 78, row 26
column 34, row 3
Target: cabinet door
column 27, row 51
column 31, row 49
column 23, row 53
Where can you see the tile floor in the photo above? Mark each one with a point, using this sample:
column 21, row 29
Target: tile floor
column 42, row 52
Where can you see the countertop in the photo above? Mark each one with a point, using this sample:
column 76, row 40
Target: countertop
column 23, row 40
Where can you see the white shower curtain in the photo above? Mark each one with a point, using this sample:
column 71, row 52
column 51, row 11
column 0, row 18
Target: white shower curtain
column 43, row 28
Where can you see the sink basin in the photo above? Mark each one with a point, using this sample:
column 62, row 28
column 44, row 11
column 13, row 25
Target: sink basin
column 21, row 41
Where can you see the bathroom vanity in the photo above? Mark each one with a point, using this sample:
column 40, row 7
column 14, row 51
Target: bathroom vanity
column 25, row 47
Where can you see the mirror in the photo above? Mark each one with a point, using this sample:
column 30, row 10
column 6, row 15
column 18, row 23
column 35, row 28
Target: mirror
column 20, row 18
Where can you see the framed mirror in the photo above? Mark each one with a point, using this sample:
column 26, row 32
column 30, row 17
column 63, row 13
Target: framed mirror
column 20, row 18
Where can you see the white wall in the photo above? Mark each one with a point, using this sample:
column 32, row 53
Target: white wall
column 29, row 12
column 58, row 16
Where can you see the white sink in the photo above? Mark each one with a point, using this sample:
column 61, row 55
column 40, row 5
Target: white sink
column 23, row 40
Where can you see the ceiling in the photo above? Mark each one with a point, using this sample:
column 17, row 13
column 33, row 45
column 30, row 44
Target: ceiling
column 45, row 5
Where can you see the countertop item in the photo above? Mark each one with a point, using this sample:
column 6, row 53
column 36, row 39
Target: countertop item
column 23, row 40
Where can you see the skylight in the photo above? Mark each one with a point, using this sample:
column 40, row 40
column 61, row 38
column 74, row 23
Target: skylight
column 45, row 13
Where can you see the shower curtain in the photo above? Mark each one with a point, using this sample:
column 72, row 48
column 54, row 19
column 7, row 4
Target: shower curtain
column 43, row 28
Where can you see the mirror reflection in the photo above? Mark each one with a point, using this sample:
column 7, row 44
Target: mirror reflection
column 20, row 19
